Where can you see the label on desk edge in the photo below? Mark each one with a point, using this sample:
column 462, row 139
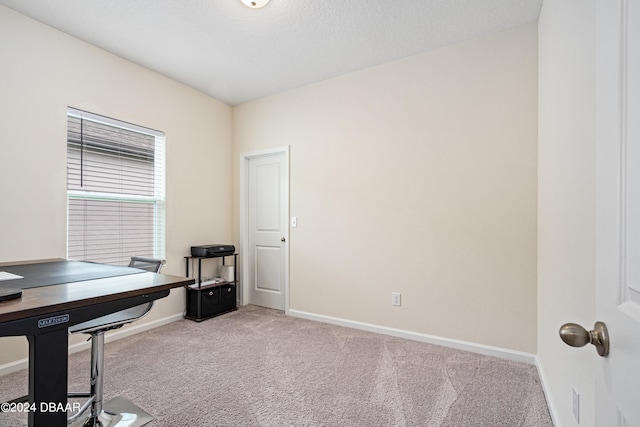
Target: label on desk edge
column 51, row 321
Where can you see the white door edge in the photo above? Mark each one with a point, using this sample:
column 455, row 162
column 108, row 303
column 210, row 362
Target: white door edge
column 244, row 220
column 617, row 200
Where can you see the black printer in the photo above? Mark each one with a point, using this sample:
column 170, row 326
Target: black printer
column 211, row 251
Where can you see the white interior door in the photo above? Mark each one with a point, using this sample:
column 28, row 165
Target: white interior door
column 267, row 229
column 618, row 210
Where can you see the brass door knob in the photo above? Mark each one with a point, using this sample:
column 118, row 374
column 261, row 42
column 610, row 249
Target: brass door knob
column 577, row 336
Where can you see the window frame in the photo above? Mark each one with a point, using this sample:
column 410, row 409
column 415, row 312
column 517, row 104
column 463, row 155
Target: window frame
column 158, row 199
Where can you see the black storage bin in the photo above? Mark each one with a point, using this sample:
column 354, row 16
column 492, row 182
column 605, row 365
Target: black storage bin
column 211, row 301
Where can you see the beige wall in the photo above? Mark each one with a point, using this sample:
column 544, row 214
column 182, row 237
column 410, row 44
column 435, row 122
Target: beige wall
column 419, row 177
column 43, row 71
column 566, row 200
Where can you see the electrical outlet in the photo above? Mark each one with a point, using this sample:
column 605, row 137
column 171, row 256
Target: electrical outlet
column 395, row 298
column 576, row 405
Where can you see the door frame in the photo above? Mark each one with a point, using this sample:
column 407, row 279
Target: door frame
column 244, row 220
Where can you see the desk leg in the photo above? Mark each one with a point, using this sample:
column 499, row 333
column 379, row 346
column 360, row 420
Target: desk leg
column 48, row 367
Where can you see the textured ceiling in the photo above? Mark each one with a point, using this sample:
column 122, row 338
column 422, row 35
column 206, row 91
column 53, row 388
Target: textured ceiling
column 236, row 54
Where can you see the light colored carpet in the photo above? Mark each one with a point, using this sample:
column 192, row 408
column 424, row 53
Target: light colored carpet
column 257, row 367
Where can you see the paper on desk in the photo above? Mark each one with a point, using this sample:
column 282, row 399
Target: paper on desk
column 9, row 276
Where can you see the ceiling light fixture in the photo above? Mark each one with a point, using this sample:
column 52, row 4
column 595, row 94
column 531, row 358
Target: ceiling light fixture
column 255, row 4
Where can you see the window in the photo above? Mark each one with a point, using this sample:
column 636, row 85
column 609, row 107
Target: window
column 115, row 189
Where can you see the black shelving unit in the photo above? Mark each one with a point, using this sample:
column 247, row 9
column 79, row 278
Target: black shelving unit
column 210, row 300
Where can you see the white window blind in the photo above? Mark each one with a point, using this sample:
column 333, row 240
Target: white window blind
column 115, row 188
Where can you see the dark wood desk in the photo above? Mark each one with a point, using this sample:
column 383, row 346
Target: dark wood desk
column 44, row 315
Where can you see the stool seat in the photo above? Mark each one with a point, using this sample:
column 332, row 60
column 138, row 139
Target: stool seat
column 113, row 320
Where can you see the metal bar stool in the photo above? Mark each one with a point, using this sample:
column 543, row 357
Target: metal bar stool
column 117, row 411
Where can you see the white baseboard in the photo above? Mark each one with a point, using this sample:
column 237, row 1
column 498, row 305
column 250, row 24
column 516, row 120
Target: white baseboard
column 486, row 350
column 114, row 335
column 547, row 395
column 14, row 366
